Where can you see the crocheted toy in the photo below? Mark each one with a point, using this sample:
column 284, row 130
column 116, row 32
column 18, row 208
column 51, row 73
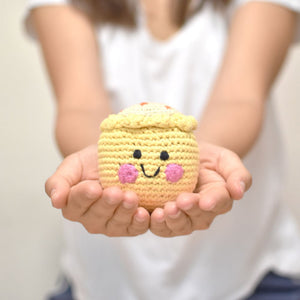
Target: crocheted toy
column 149, row 148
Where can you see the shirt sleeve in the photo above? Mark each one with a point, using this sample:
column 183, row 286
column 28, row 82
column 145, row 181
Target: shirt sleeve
column 293, row 5
column 31, row 4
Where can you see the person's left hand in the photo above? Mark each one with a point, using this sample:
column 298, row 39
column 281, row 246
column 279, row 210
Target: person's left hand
column 222, row 179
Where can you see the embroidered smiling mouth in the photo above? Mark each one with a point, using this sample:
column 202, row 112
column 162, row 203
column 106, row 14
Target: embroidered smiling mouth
column 150, row 176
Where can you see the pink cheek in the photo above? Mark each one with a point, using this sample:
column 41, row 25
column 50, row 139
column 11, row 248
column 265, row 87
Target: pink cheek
column 174, row 172
column 128, row 173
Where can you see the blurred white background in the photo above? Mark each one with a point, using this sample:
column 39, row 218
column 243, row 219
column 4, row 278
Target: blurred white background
column 29, row 226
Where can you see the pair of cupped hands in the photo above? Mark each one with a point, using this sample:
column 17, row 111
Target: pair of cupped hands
column 76, row 190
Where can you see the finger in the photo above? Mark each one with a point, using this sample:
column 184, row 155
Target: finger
column 57, row 188
column 140, row 222
column 238, row 183
column 123, row 214
column 189, row 203
column 81, row 197
column 237, row 177
column 216, row 200
column 58, row 185
column 158, row 223
column 104, row 208
column 177, row 221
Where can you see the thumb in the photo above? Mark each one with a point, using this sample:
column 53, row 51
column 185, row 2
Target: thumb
column 238, row 178
column 58, row 190
column 59, row 184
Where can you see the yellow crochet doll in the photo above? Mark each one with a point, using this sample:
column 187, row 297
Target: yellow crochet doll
column 149, row 148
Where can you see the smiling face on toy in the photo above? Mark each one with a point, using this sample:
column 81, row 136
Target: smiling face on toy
column 150, row 149
column 128, row 173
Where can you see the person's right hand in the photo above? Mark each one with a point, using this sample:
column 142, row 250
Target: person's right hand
column 75, row 189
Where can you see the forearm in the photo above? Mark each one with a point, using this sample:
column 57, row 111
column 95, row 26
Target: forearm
column 75, row 129
column 234, row 125
column 73, row 60
column 259, row 38
column 77, row 126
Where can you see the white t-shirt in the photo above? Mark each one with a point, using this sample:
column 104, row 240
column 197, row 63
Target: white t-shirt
column 230, row 258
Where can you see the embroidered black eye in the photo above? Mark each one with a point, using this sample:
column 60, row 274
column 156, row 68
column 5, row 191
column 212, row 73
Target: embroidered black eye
column 164, row 155
column 137, row 154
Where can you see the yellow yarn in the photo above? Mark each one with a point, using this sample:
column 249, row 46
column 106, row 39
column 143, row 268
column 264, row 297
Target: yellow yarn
column 149, row 115
column 166, row 146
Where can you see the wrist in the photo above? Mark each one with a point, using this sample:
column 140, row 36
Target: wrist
column 76, row 129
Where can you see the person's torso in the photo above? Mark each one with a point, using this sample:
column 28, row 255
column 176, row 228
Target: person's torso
column 180, row 72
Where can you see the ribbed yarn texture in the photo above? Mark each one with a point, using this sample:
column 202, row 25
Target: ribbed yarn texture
column 156, row 161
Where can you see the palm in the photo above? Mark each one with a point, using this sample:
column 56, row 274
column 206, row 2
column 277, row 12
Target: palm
column 75, row 188
column 210, row 180
column 221, row 178
column 81, row 197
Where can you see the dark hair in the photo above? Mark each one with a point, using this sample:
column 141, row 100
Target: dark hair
column 122, row 12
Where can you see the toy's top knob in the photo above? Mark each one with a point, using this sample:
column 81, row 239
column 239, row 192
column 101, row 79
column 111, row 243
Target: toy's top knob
column 148, row 109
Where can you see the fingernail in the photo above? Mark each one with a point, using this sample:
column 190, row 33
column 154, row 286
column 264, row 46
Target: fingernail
column 128, row 205
column 160, row 216
column 188, row 207
column 175, row 215
column 160, row 220
column 210, row 205
column 53, row 194
column 110, row 201
column 243, row 186
column 138, row 218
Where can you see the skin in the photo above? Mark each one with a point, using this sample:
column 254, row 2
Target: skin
column 255, row 51
column 158, row 18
